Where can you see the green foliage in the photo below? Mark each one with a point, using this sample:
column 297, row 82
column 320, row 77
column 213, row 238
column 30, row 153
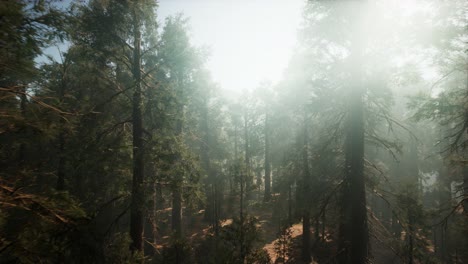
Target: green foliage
column 177, row 252
column 72, row 119
column 458, row 232
column 413, row 218
column 249, row 229
column 25, row 28
column 116, row 250
column 214, row 250
column 48, row 228
column 448, row 109
column 258, row 256
column 227, row 246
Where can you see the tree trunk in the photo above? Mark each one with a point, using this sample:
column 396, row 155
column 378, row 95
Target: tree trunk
column 290, row 217
column 414, row 197
column 234, row 172
column 353, row 244
column 136, row 214
column 210, row 187
column 305, row 195
column 465, row 190
column 354, row 236
column 217, row 204
column 324, row 224
column 177, row 212
column 267, row 194
column 153, row 220
column 177, row 189
column 241, row 215
column 298, row 199
column 410, row 237
column 22, row 147
column 61, row 161
column 445, row 196
column 61, row 139
column 465, row 169
column 236, row 143
column 159, row 196
column 248, row 177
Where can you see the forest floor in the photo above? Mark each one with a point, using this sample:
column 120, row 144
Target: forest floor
column 323, row 252
column 296, row 232
column 197, row 229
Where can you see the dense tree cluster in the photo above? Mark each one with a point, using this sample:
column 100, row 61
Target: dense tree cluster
column 124, row 150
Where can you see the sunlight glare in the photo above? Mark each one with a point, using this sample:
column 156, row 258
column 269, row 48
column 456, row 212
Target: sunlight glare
column 249, row 43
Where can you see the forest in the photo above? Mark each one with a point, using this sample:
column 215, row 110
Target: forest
column 124, row 148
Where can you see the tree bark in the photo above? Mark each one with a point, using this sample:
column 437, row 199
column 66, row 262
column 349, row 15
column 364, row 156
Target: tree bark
column 61, row 139
column 267, row 194
column 353, row 245
column 354, row 241
column 61, row 161
column 290, row 217
column 136, row 214
column 414, row 195
column 177, row 189
column 465, row 190
column 241, row 215
column 177, row 212
column 305, row 194
column 210, row 187
column 248, row 177
column 22, row 147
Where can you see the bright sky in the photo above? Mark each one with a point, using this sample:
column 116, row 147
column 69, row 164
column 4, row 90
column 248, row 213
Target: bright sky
column 250, row 40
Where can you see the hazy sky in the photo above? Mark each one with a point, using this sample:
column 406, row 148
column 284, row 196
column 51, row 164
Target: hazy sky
column 250, row 40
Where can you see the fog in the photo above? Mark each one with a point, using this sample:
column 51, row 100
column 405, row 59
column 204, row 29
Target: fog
column 248, row 42
column 234, row 132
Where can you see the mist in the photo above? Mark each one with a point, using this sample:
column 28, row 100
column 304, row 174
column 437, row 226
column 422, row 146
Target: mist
column 234, row 132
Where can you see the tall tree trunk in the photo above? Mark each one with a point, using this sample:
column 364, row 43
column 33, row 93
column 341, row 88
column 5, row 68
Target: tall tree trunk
column 465, row 167
column 236, row 143
column 217, row 204
column 258, row 183
column 177, row 189
column 414, row 195
column 61, row 161
column 22, row 147
column 305, row 194
column 324, row 223
column 61, row 139
column 136, row 214
column 153, row 219
column 411, row 231
column 290, row 216
column 354, row 235
column 241, row 215
column 248, row 179
column 211, row 186
column 234, row 175
column 177, row 212
column 353, row 245
column 465, row 189
column 159, row 196
column 267, row 194
column 445, row 196
column 298, row 199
